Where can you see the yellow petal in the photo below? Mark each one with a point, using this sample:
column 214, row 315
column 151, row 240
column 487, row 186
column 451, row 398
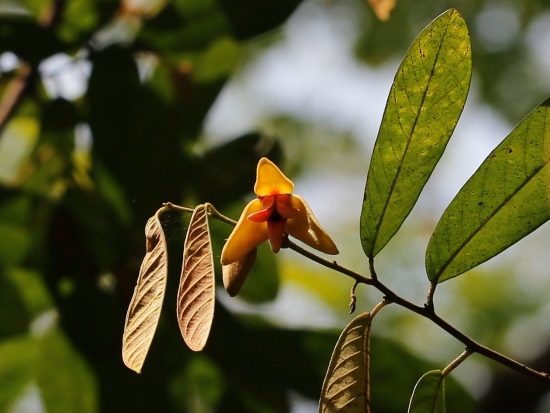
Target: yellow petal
column 246, row 235
column 270, row 180
column 307, row 229
column 235, row 274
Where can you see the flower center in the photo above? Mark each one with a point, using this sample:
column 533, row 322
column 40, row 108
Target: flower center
column 277, row 209
column 275, row 216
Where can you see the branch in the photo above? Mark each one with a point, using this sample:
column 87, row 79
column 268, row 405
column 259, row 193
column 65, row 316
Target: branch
column 426, row 311
column 360, row 278
column 14, row 93
column 429, row 313
column 456, row 362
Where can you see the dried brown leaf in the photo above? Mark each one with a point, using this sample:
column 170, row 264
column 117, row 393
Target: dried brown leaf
column 196, row 290
column 382, row 8
column 234, row 274
column 346, row 384
column 144, row 309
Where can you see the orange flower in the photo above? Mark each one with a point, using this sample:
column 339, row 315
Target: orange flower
column 274, row 213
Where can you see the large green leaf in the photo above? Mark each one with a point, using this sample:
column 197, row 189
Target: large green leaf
column 218, row 60
column 18, row 356
column 16, row 240
column 506, row 199
column 429, row 394
column 11, row 304
column 423, row 107
column 65, row 379
column 183, row 26
column 129, row 123
column 29, row 290
column 80, row 19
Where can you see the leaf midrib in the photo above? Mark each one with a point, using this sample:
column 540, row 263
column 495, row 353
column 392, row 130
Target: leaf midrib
column 489, row 217
column 396, row 178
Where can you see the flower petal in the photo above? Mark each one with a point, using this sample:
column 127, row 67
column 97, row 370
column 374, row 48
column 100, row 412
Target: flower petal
column 284, row 206
column 270, row 180
column 235, row 274
column 246, row 235
column 260, row 216
column 275, row 233
column 265, row 213
column 307, row 229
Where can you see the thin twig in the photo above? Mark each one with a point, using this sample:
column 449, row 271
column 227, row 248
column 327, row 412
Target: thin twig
column 330, row 264
column 14, row 93
column 456, row 362
column 169, row 205
column 426, row 311
column 353, row 297
column 430, row 298
column 216, row 214
column 378, row 307
column 472, row 345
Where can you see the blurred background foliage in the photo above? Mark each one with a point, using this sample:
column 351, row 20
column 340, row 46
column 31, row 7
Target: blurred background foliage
column 102, row 113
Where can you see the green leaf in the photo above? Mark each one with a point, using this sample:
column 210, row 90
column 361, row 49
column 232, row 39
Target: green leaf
column 16, row 319
column 505, row 200
column 15, row 219
column 124, row 117
column 80, row 19
column 429, row 394
column 185, row 26
column 18, row 357
column 65, row 379
column 218, row 61
column 423, row 107
column 15, row 243
column 17, row 143
column 30, row 289
column 201, row 387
